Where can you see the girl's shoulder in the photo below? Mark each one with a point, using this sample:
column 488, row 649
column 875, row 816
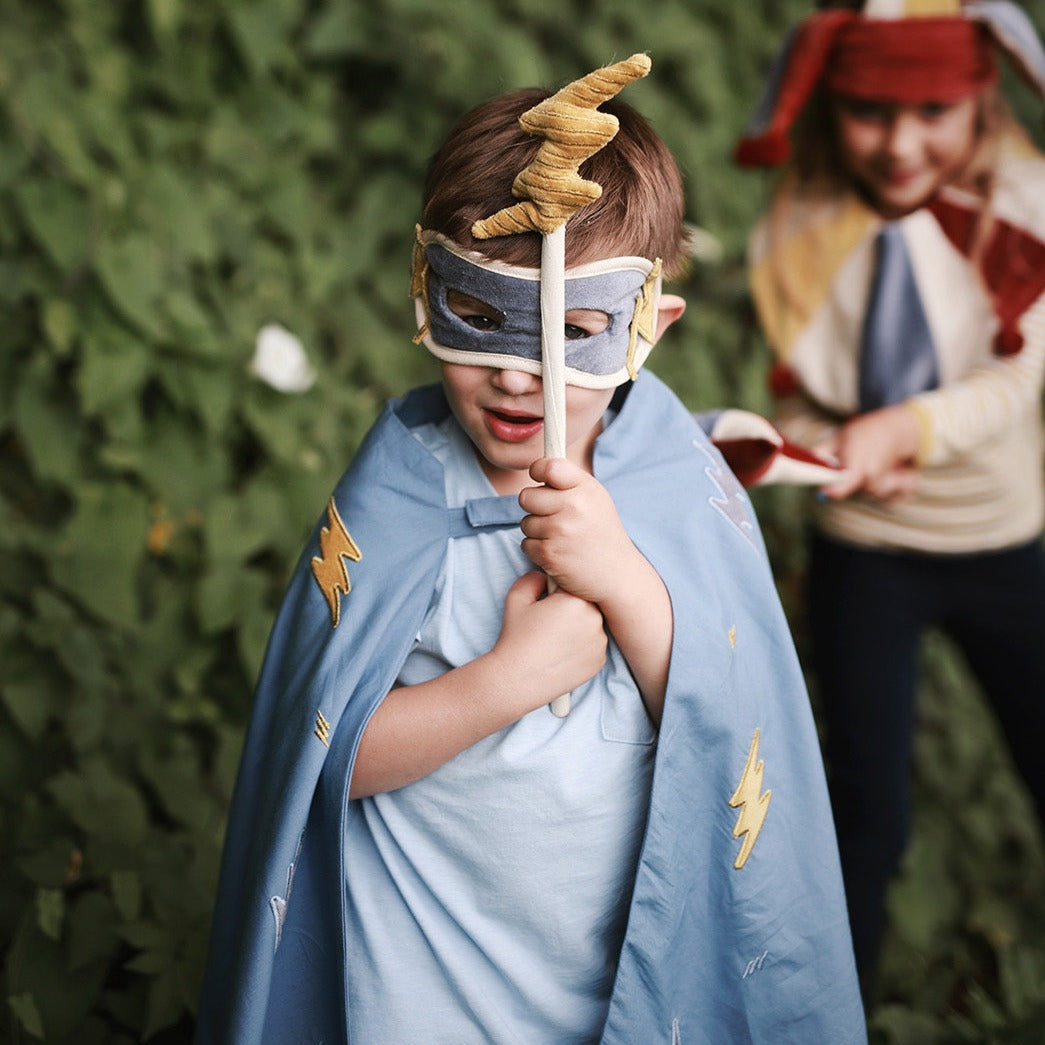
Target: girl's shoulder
column 816, row 215
column 1019, row 186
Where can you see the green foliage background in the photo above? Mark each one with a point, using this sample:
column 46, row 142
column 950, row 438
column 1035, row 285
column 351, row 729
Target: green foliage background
column 174, row 174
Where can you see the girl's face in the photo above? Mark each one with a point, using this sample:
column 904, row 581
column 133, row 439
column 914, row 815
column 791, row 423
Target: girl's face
column 902, row 155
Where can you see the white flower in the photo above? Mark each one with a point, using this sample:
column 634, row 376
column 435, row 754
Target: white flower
column 703, row 245
column 280, row 360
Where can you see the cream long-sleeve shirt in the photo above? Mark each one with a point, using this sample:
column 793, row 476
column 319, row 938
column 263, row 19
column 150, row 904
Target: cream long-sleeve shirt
column 982, row 482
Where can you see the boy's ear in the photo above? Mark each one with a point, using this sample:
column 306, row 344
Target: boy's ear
column 670, row 308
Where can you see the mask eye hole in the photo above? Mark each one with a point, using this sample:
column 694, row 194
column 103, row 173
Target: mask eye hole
column 585, row 322
column 473, row 311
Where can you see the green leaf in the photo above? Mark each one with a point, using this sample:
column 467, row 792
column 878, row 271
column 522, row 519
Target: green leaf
column 127, row 894
column 50, row 912
column 37, row 968
column 60, row 324
column 25, row 1010
column 101, row 548
column 114, row 367
column 150, row 963
column 173, row 205
column 101, row 803
column 30, row 703
column 58, row 217
column 165, row 1003
column 92, row 934
column 252, row 639
column 42, row 415
column 259, row 32
column 132, row 272
column 336, row 31
column 54, row 864
column 228, row 594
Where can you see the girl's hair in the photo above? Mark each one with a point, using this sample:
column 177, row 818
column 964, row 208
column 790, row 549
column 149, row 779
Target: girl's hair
column 639, row 212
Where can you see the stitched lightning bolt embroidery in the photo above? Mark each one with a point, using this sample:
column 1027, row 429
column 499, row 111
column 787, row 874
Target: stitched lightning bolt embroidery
column 322, row 729
column 329, row 568
column 753, row 803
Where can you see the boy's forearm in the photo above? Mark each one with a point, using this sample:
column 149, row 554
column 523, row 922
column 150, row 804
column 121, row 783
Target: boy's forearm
column 419, row 728
column 640, row 619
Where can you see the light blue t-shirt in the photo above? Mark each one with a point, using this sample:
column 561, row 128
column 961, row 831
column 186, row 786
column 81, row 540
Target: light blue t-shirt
column 487, row 901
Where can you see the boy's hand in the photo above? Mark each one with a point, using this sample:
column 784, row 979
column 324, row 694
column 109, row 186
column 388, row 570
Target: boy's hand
column 877, row 451
column 548, row 645
column 573, row 532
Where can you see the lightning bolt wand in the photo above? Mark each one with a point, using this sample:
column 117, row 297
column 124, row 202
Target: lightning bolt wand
column 550, row 190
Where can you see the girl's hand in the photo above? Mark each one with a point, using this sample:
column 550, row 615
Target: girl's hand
column 573, row 532
column 877, row 451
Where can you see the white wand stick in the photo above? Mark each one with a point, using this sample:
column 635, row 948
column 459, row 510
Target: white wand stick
column 553, row 366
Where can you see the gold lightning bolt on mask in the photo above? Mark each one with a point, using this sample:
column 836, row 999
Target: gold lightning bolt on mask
column 329, row 568
column 752, row 802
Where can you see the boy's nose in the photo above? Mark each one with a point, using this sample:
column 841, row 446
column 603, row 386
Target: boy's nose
column 515, row 382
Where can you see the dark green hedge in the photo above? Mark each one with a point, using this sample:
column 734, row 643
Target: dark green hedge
column 175, row 175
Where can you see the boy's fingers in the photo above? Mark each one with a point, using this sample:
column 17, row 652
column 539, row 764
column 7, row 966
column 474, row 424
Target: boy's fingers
column 539, row 500
column 556, row 472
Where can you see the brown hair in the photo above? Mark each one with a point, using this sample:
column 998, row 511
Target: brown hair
column 639, row 212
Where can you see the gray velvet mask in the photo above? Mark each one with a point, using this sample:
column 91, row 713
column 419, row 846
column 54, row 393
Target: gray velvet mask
column 619, row 287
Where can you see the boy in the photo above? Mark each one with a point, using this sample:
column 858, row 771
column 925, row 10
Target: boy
column 447, row 860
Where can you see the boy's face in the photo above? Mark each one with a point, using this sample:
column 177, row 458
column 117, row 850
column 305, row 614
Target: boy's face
column 502, row 410
column 902, row 155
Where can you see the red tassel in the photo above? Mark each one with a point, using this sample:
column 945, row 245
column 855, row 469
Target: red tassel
column 783, row 381
column 765, row 150
column 1008, row 341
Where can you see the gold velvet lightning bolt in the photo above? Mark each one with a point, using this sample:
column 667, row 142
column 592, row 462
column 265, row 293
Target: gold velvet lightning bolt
column 550, row 190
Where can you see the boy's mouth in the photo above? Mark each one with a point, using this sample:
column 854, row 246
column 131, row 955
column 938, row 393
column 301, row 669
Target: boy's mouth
column 512, row 427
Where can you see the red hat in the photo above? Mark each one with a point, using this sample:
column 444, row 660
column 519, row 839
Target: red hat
column 904, row 51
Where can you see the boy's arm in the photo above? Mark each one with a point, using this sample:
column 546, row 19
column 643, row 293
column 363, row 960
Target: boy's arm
column 547, row 646
column 574, row 534
column 640, row 619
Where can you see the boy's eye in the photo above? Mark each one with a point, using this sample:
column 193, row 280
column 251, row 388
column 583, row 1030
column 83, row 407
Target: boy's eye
column 585, row 322
column 474, row 311
column 481, row 322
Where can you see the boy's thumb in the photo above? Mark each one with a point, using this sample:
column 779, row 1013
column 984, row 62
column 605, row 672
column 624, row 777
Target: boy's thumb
column 528, row 588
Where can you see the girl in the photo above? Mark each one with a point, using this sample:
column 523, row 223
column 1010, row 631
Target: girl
column 899, row 276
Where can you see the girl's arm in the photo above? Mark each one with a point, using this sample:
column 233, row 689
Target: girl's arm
column 973, row 410
column 882, row 449
column 547, row 646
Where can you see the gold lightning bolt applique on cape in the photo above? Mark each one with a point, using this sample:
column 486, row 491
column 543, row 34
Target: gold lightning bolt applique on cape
column 329, row 567
column 752, row 802
column 550, row 189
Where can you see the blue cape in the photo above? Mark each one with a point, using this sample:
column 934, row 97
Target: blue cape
column 713, row 952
